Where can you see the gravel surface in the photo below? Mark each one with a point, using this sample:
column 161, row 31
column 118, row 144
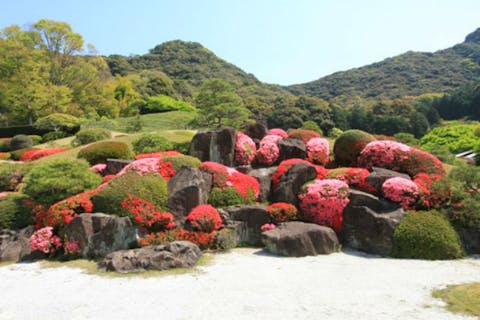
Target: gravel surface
column 242, row 284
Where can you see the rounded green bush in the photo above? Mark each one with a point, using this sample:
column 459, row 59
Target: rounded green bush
column 14, row 214
column 55, row 180
column 348, row 146
column 20, row 141
column 4, row 145
column 86, row 136
column 12, row 174
column 36, row 139
column 180, row 161
column 151, row 142
column 99, row 152
column 54, row 135
column 226, row 197
column 426, row 235
column 150, row 187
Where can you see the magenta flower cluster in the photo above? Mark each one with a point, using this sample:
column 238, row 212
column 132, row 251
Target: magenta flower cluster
column 385, row 154
column 245, row 149
column 268, row 152
column 278, row 132
column 401, row 190
column 45, row 241
column 318, row 151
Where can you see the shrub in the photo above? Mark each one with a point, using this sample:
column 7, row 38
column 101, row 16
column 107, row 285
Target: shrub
column 149, row 187
column 36, row 139
column 4, row 144
column 426, row 235
column 454, row 137
column 159, row 155
column 181, row 147
column 5, row 155
column 312, row 125
column 45, row 241
column 401, row 190
column 204, row 218
column 86, row 136
column 335, row 133
column 54, row 135
column 245, row 149
column 180, row 161
column 268, row 151
column 282, row 212
column 58, row 122
column 349, row 145
column 304, row 135
column 278, row 132
column 14, row 214
column 135, row 124
column 16, row 155
column 52, row 181
column 202, row 239
column 318, row 151
column 322, row 202
column 99, row 152
column 163, row 103
column 11, row 175
column 151, row 142
column 354, row 177
column 225, row 197
column 20, row 141
column 147, row 215
column 149, row 166
column 406, row 138
column 35, row 154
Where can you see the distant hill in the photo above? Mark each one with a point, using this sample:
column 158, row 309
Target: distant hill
column 411, row 73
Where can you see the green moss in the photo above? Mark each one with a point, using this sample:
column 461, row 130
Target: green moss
column 463, row 298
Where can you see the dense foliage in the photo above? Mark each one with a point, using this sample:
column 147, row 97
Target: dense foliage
column 151, row 142
column 14, row 213
column 89, row 135
column 99, row 152
column 349, row 145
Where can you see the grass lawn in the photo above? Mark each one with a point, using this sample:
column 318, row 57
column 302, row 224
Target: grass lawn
column 463, row 298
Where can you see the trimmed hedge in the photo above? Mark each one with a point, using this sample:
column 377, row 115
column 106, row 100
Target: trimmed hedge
column 180, row 161
column 86, row 136
column 226, row 197
column 27, row 130
column 426, row 235
column 151, row 142
column 14, row 214
column 101, row 151
column 150, row 187
column 348, row 146
column 21, row 141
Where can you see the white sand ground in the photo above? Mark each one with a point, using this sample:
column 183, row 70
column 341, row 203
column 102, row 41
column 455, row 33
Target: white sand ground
column 242, row 284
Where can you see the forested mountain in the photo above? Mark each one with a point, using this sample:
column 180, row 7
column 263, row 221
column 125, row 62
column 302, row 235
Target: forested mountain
column 408, row 74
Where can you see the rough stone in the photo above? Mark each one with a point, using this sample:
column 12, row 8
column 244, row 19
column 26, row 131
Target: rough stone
column 188, row 188
column 252, row 217
column 363, row 199
column 379, row 175
column 299, row 239
column 114, row 166
column 264, row 178
column 292, row 148
column 217, row 145
column 366, row 230
column 256, row 131
column 15, row 245
column 177, row 254
column 200, row 145
column 291, row 183
column 470, row 239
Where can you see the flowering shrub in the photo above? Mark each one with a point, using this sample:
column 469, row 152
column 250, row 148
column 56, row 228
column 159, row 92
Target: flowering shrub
column 419, row 161
column 105, row 180
column 267, row 227
column 349, row 145
column 282, row 212
column 202, row 239
column 322, row 202
column 354, row 177
column 401, row 190
column 149, row 165
column 147, row 215
column 204, row 218
column 35, row 154
column 98, row 168
column 71, row 248
column 218, row 171
column 63, row 212
column 431, row 197
column 160, row 154
column 278, row 132
column 318, row 151
column 245, row 149
column 45, row 241
column 268, row 151
column 302, row 134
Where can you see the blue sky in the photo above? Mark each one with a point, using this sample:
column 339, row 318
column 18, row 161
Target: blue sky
column 279, row 41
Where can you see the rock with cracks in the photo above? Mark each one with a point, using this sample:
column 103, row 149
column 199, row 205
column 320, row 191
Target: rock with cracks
column 264, row 178
column 15, row 245
column 292, row 148
column 299, row 239
column 177, row 254
column 217, row 146
column 291, row 183
column 379, row 175
column 246, row 221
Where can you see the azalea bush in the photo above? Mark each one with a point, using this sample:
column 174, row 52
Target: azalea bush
column 99, row 152
column 245, row 149
column 45, row 241
column 147, row 215
column 282, row 212
column 35, row 154
column 268, row 150
column 303, row 134
column 204, row 218
column 322, row 202
column 354, row 177
column 278, row 132
column 203, row 240
column 349, row 145
column 318, row 151
column 149, row 166
column 401, row 190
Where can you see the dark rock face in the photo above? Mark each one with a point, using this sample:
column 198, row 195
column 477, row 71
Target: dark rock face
column 292, row 148
column 247, row 221
column 363, row 199
column 264, row 178
column 291, row 183
column 256, row 131
column 369, row 231
column 114, row 166
column 299, row 239
column 379, row 175
column 470, row 239
column 14, row 246
column 188, row 188
column 218, row 146
column 177, row 254
column 99, row 234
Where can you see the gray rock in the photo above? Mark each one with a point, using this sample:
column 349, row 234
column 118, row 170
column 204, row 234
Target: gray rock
column 379, row 175
column 217, row 145
column 264, row 178
column 256, row 131
column 177, row 254
column 200, row 145
column 470, row 239
column 99, row 234
column 15, row 246
column 114, row 166
column 292, row 148
column 251, row 219
column 363, row 199
column 188, row 188
column 366, row 230
column 299, row 239
column 291, row 183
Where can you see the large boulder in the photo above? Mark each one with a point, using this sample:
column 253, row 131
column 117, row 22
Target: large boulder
column 217, row 146
column 188, row 188
column 379, row 175
column 292, row 148
column 291, row 183
column 114, row 166
column 177, row 254
column 362, row 199
column 246, row 221
column 264, row 178
column 15, row 245
column 256, row 131
column 299, row 239
column 366, row 230
column 99, row 234
column 470, row 239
